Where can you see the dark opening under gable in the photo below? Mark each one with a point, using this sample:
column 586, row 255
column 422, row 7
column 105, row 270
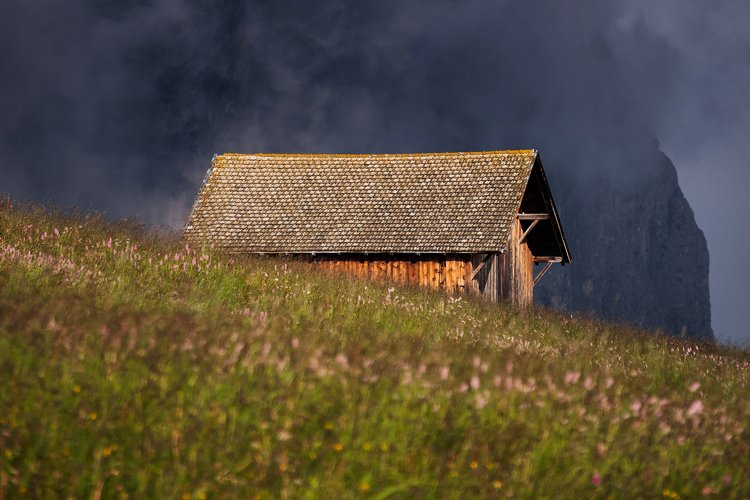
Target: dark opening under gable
column 546, row 239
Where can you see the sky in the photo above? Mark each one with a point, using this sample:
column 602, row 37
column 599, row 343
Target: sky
column 119, row 105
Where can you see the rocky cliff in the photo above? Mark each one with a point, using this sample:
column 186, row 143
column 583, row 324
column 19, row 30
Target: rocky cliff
column 639, row 257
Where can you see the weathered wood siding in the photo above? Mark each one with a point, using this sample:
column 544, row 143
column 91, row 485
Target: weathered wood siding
column 504, row 276
column 517, row 270
column 444, row 272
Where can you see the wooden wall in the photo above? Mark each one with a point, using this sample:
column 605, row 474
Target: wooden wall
column 517, row 270
column 504, row 276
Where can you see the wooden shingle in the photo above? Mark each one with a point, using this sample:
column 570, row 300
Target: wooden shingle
column 411, row 203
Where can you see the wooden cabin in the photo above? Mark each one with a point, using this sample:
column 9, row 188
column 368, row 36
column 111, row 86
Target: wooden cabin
column 463, row 222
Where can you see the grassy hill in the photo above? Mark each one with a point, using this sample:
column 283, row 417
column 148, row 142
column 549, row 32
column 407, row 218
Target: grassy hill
column 133, row 365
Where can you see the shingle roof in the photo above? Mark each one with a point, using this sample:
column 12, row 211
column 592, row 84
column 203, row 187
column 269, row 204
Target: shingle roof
column 406, row 203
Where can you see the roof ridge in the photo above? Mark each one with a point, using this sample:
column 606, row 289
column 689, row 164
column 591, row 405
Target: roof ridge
column 368, row 155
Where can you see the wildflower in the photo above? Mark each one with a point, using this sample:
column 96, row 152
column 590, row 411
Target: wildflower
column 328, row 426
column 284, row 436
column 384, row 447
column 77, row 389
column 670, row 494
column 366, row 446
column 107, row 451
column 9, row 454
column 444, row 372
column 474, row 464
column 635, row 407
column 93, row 415
column 497, row 484
column 596, row 479
column 342, row 360
column 364, row 486
column 338, row 447
column 695, row 409
column 474, row 382
column 482, row 400
column 572, row 377
column 694, row 386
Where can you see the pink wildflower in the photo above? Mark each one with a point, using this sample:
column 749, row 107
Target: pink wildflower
column 596, row 479
column 695, row 409
column 635, row 407
column 694, row 386
column 572, row 377
column 342, row 360
column 474, row 382
column 588, row 383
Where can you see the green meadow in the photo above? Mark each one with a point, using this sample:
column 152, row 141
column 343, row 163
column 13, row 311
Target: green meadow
column 135, row 366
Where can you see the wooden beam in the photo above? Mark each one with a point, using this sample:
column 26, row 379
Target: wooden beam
column 532, row 216
column 528, row 230
column 537, row 260
column 544, row 270
column 479, row 267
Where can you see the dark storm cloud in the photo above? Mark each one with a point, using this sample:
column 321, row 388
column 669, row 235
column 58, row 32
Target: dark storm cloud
column 120, row 105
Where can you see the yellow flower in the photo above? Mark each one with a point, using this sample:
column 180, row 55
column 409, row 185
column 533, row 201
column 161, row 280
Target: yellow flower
column 474, row 464
column 328, row 426
column 497, row 484
column 312, row 455
column 384, row 447
column 364, row 486
column 453, row 474
column 366, row 446
column 8, row 453
column 670, row 494
column 338, row 446
column 107, row 451
column 76, row 388
column 201, row 495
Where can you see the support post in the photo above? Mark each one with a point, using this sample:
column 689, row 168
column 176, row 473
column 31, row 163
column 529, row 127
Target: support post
column 479, row 267
column 528, row 230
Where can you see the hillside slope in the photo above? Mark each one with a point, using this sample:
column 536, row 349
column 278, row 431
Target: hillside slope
column 133, row 364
